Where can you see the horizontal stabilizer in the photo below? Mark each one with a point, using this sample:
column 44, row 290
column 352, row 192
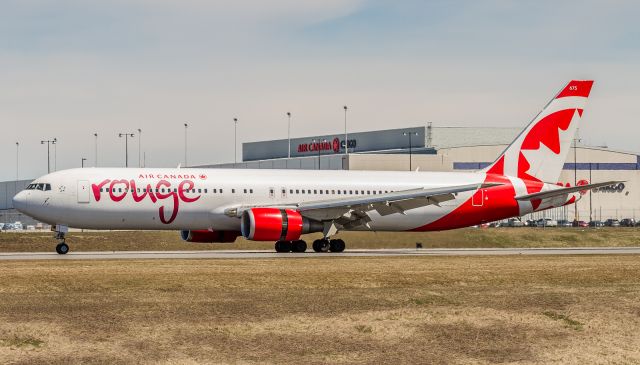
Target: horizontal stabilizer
column 563, row 191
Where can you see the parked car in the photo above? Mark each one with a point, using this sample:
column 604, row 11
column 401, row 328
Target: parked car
column 596, row 224
column 628, row 222
column 1, row 226
column 513, row 222
column 564, row 223
column 18, row 226
column 546, row 222
column 612, row 223
column 579, row 224
column 495, row 224
column 8, row 227
column 530, row 223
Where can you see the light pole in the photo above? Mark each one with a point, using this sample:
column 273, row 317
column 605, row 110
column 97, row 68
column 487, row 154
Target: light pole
column 139, row 147
column 318, row 144
column 126, row 146
column 289, row 134
column 575, row 175
column 82, row 162
column 590, row 197
column 55, row 156
column 96, row 149
column 17, row 161
column 186, row 126
column 410, row 134
column 235, row 141
column 346, row 135
column 49, row 142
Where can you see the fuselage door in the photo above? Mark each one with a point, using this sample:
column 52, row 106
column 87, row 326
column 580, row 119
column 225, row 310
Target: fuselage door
column 477, row 200
column 83, row 191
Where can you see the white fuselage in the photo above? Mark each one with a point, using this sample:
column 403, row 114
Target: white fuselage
column 116, row 198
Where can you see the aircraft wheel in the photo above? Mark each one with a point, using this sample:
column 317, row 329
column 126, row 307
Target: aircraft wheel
column 283, row 246
column 321, row 245
column 337, row 245
column 62, row 248
column 298, row 246
column 316, row 245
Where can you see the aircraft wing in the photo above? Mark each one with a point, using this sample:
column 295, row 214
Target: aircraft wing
column 353, row 211
column 350, row 212
column 564, row 191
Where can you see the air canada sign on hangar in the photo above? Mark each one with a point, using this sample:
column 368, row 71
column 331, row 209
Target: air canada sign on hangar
column 334, row 146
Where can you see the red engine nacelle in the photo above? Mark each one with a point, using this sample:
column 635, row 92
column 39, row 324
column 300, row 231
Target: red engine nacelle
column 206, row 236
column 273, row 224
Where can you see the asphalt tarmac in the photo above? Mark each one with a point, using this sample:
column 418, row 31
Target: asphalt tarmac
column 228, row 254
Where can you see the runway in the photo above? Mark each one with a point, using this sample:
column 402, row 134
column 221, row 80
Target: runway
column 228, row 254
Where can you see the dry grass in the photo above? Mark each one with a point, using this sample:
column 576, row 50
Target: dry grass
column 436, row 310
column 169, row 240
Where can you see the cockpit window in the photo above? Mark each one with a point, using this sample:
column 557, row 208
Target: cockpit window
column 43, row 187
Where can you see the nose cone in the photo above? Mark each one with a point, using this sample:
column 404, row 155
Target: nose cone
column 20, row 201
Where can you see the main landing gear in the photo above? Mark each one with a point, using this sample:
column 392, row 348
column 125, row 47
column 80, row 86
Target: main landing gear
column 321, row 245
column 62, row 248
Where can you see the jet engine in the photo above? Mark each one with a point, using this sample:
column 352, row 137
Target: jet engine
column 273, row 224
column 206, row 236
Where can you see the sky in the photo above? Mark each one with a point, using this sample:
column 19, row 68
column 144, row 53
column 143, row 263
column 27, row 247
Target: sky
column 69, row 69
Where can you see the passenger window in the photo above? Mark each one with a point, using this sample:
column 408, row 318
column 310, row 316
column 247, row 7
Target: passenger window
column 297, row 191
column 220, row 191
column 215, row 190
column 302, row 191
column 351, row 192
column 315, row 191
column 333, row 191
column 368, row 192
column 233, row 191
column 320, row 191
column 245, row 191
column 199, row 190
column 356, row 192
column 290, row 191
column 119, row 190
column 250, row 191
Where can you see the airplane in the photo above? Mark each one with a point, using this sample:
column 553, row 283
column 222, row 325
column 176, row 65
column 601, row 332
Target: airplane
column 219, row 205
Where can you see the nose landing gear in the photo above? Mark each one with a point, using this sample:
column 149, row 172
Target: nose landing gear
column 62, row 248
